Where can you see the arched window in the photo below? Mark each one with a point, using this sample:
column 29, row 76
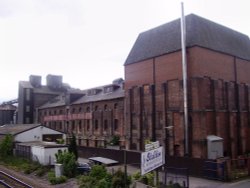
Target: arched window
column 115, row 106
column 105, row 107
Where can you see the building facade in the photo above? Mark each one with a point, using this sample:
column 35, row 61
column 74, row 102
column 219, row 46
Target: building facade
column 32, row 94
column 7, row 114
column 218, row 63
column 94, row 119
column 148, row 105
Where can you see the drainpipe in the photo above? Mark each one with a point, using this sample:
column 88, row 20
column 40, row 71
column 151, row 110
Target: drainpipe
column 184, row 72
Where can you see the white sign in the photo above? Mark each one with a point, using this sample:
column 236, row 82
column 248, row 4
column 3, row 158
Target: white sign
column 152, row 145
column 151, row 160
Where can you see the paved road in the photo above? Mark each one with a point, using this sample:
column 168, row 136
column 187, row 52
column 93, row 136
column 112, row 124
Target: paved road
column 205, row 183
column 193, row 181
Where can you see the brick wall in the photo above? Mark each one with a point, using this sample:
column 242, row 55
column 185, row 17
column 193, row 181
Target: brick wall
column 217, row 105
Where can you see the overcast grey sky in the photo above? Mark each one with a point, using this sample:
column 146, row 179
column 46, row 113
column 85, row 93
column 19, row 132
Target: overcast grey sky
column 87, row 41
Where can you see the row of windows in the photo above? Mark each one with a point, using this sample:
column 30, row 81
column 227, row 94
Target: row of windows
column 75, row 110
column 80, row 125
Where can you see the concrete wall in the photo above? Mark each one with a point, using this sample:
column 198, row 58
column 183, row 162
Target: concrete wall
column 45, row 156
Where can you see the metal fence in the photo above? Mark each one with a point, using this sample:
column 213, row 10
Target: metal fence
column 215, row 170
column 176, row 177
column 239, row 168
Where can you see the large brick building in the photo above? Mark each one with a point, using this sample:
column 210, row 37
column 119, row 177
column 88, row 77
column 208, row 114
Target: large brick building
column 218, row 63
column 148, row 105
column 93, row 118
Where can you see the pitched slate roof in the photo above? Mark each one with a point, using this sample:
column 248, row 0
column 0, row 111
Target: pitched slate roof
column 16, row 128
column 63, row 99
column 199, row 32
column 118, row 92
column 100, row 95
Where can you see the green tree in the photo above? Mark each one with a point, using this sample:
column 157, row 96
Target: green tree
column 97, row 178
column 68, row 160
column 73, row 147
column 6, row 146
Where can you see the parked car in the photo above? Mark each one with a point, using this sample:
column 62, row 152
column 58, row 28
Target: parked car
column 83, row 168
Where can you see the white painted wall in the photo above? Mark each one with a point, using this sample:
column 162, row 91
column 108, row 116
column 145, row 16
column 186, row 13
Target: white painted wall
column 45, row 156
column 36, row 134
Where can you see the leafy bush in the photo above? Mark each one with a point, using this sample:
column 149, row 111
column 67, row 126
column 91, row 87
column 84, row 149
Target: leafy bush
column 97, row 178
column 73, row 147
column 147, row 179
column 60, row 141
column 115, row 140
column 56, row 180
column 27, row 168
column 68, row 160
column 86, row 182
column 100, row 178
column 41, row 171
column 118, row 179
column 6, row 146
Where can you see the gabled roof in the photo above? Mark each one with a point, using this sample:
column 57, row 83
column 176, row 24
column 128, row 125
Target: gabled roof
column 199, row 32
column 88, row 95
column 16, row 128
column 8, row 107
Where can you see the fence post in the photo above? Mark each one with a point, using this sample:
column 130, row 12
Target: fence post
column 248, row 165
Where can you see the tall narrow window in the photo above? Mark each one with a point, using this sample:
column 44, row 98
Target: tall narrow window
column 88, row 109
column 80, row 126
column 88, row 124
column 27, row 108
column 73, row 125
column 116, row 125
column 96, row 108
column 105, row 125
column 27, row 94
column 96, row 125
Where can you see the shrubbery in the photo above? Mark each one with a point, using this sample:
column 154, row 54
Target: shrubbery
column 6, row 146
column 100, row 178
column 56, row 180
column 68, row 160
column 147, row 179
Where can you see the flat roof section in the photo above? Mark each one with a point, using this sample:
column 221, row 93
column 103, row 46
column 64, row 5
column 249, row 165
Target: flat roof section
column 105, row 161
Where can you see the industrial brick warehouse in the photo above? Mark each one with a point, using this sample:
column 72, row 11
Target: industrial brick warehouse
column 148, row 103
